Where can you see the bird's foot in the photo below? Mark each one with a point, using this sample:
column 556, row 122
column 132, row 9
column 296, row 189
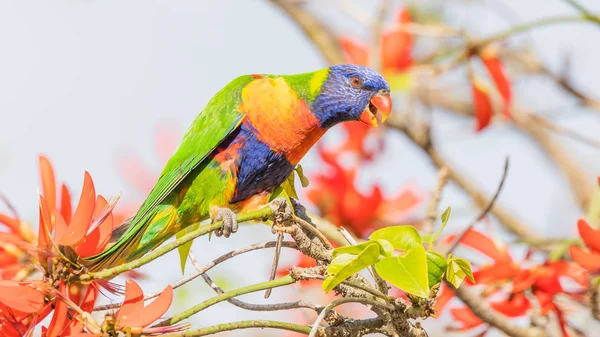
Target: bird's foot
column 282, row 212
column 230, row 224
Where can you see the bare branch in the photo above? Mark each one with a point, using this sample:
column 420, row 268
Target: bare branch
column 207, row 267
column 484, row 211
column 436, row 196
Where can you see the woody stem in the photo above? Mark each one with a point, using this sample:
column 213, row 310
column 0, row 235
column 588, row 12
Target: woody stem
column 283, row 281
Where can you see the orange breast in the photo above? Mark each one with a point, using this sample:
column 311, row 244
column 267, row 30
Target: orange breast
column 279, row 118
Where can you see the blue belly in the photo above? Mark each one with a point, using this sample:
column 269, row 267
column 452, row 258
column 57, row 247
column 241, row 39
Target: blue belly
column 259, row 169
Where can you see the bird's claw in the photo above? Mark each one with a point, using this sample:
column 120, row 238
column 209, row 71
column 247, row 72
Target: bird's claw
column 230, row 224
column 282, row 211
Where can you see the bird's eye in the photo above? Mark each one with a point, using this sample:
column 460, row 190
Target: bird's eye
column 356, row 81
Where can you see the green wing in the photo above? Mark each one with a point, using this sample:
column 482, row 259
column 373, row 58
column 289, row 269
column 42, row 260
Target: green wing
column 216, row 121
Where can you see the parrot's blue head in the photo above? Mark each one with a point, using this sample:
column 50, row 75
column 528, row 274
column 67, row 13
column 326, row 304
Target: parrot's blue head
column 353, row 93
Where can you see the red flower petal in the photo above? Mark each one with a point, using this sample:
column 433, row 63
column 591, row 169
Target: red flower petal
column 60, row 226
column 571, row 270
column 59, row 319
column 443, row 297
column 588, row 260
column 354, row 51
column 396, row 49
column 48, row 182
column 523, row 281
column 498, row 74
column 13, row 224
column 494, row 273
column 516, row 306
column 65, row 204
column 20, row 297
column 134, row 299
column 45, row 227
column 466, row 317
column 83, row 214
column 590, row 236
column 482, row 106
column 485, row 245
column 150, row 313
column 545, row 301
column 96, row 241
column 403, row 16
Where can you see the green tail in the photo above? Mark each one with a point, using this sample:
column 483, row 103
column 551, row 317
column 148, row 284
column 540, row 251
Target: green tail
column 137, row 238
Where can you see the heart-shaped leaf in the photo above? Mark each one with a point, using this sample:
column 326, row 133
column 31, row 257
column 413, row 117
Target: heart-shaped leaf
column 345, row 265
column 400, row 237
column 407, row 271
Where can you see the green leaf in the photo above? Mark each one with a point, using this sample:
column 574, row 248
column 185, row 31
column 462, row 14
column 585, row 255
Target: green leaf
column 303, row 179
column 354, row 250
column 401, row 237
column 386, row 248
column 184, row 249
column 436, row 267
column 457, row 270
column 289, row 187
column 346, row 265
column 407, row 271
column 286, row 190
column 445, row 216
column 430, row 238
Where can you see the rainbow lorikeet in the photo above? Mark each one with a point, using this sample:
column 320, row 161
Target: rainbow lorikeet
column 243, row 145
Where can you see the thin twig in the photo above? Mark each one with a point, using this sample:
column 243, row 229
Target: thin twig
column 275, row 262
column 436, row 196
column 484, row 211
column 531, row 25
column 576, row 174
column 315, row 327
column 240, row 326
column 207, row 267
column 584, row 11
column 566, row 132
column 283, row 281
column 252, row 306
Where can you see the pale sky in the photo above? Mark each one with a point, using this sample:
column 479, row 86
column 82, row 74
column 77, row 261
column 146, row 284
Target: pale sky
column 82, row 80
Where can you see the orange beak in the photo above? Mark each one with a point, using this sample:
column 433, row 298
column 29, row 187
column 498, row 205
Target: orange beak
column 378, row 110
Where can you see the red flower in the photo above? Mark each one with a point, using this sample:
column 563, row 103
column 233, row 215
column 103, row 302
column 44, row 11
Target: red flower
column 395, row 47
column 496, row 70
column 133, row 316
column 590, row 259
column 87, row 230
column 22, row 306
column 543, row 280
column 482, row 105
column 358, row 141
column 340, row 202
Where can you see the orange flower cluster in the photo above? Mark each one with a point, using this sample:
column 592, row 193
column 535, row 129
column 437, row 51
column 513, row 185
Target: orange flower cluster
column 507, row 282
column 340, row 201
column 36, row 272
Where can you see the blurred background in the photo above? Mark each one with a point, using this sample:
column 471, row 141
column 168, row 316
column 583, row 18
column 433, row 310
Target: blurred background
column 110, row 86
